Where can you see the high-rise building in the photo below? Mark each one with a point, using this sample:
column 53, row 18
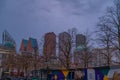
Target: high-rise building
column 8, row 47
column 80, row 40
column 30, row 45
column 29, row 49
column 79, row 51
column 7, row 50
column 24, row 45
column 65, row 46
column 64, row 42
column 7, row 40
column 49, row 47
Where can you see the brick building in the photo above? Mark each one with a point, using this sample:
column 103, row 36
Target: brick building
column 49, row 47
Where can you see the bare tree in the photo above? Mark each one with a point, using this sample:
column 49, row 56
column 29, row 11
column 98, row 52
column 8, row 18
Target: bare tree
column 26, row 62
column 104, row 39
column 19, row 63
column 65, row 49
column 35, row 58
column 109, row 30
column 83, row 53
column 8, row 60
column 66, row 44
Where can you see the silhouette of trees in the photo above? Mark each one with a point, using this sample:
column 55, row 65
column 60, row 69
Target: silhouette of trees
column 109, row 30
column 8, row 59
column 83, row 54
column 65, row 49
column 66, row 42
column 104, row 38
column 27, row 61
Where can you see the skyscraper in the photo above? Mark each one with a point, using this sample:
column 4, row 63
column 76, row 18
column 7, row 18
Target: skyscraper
column 64, row 42
column 8, row 49
column 65, row 50
column 29, row 45
column 79, row 51
column 32, row 45
column 80, row 40
column 7, row 40
column 23, row 46
column 49, row 47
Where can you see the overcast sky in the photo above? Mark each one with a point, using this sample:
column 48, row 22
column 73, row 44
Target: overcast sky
column 33, row 18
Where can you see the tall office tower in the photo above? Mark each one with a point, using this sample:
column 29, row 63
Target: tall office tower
column 8, row 50
column 80, row 40
column 80, row 46
column 23, row 46
column 7, row 40
column 65, row 49
column 30, row 45
column 64, row 42
column 30, row 52
column 49, row 46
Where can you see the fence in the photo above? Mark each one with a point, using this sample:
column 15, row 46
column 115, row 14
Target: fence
column 53, row 74
column 102, row 73
column 94, row 73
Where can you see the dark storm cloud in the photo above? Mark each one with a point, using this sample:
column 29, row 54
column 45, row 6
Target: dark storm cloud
column 24, row 18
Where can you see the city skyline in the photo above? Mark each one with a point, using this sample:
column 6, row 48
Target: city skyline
column 35, row 18
column 60, row 39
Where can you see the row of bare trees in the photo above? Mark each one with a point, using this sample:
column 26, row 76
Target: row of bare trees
column 69, row 56
column 21, row 62
column 108, row 31
column 108, row 38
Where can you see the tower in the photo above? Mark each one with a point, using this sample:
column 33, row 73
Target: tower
column 65, row 50
column 80, row 40
column 29, row 46
column 8, row 41
column 49, row 47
